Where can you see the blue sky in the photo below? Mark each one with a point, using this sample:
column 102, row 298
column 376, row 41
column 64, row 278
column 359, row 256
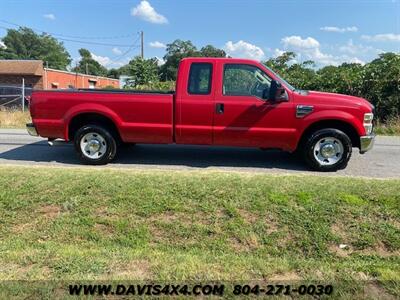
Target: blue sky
column 328, row 32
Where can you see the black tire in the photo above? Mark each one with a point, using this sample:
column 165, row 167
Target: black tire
column 311, row 141
column 110, row 144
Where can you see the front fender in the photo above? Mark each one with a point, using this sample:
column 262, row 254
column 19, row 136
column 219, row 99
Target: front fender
column 332, row 115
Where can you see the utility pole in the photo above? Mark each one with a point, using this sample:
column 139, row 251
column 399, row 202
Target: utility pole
column 142, row 44
column 87, row 69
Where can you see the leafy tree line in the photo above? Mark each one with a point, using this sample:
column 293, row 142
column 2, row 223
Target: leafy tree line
column 378, row 81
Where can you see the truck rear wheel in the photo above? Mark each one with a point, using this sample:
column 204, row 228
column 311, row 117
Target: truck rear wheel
column 327, row 150
column 95, row 144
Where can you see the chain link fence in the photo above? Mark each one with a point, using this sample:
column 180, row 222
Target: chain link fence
column 13, row 96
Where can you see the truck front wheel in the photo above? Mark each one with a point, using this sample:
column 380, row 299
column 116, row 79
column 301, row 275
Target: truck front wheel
column 95, row 144
column 327, row 150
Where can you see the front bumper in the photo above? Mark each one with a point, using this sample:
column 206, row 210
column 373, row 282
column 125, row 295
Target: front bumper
column 31, row 129
column 366, row 143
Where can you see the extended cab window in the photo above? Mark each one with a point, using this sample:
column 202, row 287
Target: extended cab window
column 200, row 78
column 245, row 80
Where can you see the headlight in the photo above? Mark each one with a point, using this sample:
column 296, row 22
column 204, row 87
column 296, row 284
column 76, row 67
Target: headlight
column 368, row 118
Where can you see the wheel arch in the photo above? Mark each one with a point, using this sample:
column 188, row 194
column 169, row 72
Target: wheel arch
column 344, row 126
column 80, row 119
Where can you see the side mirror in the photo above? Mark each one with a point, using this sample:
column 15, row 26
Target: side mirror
column 275, row 91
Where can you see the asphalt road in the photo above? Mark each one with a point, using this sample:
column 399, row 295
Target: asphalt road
column 17, row 147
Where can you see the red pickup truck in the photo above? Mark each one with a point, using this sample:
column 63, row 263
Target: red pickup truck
column 218, row 101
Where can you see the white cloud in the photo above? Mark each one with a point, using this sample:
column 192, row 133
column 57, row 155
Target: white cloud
column 116, row 51
column 146, row 12
column 352, row 48
column 2, row 45
column 244, row 50
column 107, row 62
column 355, row 60
column 157, row 44
column 310, row 49
column 278, row 52
column 160, row 61
column 299, row 43
column 49, row 16
column 384, row 37
column 338, row 29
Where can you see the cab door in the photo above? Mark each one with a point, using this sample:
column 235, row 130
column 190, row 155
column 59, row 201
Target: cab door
column 194, row 107
column 243, row 117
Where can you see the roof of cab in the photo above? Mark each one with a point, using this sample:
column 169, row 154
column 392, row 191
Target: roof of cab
column 230, row 59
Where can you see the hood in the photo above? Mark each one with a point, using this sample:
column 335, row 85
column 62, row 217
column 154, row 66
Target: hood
column 339, row 99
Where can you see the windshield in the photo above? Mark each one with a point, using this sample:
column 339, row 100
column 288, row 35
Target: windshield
column 292, row 88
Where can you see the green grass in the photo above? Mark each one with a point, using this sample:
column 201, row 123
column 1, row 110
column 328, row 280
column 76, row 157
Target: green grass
column 391, row 127
column 104, row 224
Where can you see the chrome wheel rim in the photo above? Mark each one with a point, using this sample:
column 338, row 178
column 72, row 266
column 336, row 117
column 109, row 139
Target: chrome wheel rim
column 93, row 145
column 328, row 151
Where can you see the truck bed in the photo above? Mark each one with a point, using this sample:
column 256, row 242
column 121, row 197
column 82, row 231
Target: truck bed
column 125, row 91
column 140, row 116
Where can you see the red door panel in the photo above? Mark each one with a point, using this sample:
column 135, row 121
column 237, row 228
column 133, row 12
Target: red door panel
column 248, row 120
column 194, row 111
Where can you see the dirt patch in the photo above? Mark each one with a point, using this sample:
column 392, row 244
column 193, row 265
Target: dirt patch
column 104, row 230
column 374, row 291
column 138, row 269
column 15, row 270
column 380, row 250
column 341, row 252
column 247, row 216
column 167, row 217
column 50, row 211
column 101, row 211
column 20, row 228
column 285, row 277
column 183, row 218
column 395, row 224
column 245, row 245
column 339, row 230
column 272, row 225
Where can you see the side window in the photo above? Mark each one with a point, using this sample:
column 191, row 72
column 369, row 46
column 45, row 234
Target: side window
column 245, row 80
column 200, row 79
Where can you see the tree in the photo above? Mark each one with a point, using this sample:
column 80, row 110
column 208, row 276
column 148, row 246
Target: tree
column 88, row 65
column 211, row 51
column 300, row 75
column 24, row 43
column 114, row 73
column 142, row 71
column 177, row 50
column 344, row 79
column 381, row 85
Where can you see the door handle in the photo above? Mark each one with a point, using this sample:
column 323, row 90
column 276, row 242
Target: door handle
column 219, row 108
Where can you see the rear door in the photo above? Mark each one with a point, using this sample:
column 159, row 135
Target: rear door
column 194, row 108
column 243, row 117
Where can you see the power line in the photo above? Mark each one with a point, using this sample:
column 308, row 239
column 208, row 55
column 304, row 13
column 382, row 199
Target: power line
column 83, row 42
column 72, row 36
column 94, row 43
column 115, row 59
